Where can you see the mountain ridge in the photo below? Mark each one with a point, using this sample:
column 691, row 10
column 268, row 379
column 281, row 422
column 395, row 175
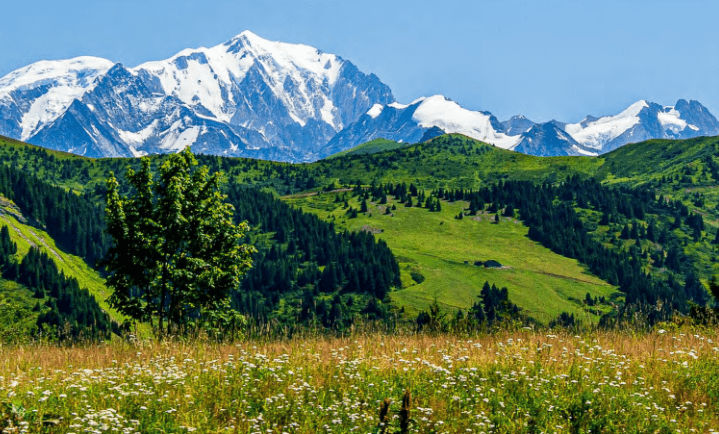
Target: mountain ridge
column 247, row 96
column 257, row 98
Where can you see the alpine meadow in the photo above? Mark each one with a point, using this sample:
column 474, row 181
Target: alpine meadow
column 259, row 237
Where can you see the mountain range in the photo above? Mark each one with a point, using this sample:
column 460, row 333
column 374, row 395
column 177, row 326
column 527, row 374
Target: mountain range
column 263, row 99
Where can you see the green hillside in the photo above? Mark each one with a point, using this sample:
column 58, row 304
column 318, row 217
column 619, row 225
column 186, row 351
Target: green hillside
column 432, row 247
column 437, row 255
column 454, row 161
column 26, row 236
column 371, row 147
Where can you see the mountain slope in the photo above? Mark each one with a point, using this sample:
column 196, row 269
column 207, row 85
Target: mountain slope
column 548, row 139
column 437, row 255
column 33, row 96
column 644, row 120
column 371, row 147
column 248, row 96
column 592, row 136
column 685, row 171
column 257, row 98
column 409, row 123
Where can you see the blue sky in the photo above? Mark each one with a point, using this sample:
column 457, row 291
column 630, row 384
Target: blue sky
column 545, row 59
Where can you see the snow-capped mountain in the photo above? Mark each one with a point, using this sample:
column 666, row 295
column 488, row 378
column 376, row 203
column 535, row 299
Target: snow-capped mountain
column 517, row 124
column 644, row 120
column 550, row 139
column 248, row 96
column 593, row 136
column 36, row 94
column 410, row 122
column 258, row 98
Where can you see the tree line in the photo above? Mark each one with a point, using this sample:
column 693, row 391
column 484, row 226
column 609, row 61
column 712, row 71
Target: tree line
column 64, row 309
column 653, row 273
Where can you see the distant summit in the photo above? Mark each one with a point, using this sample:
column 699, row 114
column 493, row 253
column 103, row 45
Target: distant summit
column 592, row 136
column 245, row 97
column 257, row 98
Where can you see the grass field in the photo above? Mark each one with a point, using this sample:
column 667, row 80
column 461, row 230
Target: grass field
column 443, row 251
column 512, row 382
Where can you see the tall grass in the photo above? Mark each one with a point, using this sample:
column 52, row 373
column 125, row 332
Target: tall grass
column 506, row 382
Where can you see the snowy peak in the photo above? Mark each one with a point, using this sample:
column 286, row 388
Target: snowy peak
column 440, row 111
column 644, row 120
column 417, row 121
column 550, row 139
column 295, row 74
column 695, row 114
column 40, row 92
column 248, row 96
column 254, row 97
column 79, row 71
column 288, row 56
column 596, row 132
column 516, row 125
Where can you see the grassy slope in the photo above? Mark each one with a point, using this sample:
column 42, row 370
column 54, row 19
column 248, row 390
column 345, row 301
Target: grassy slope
column 26, row 236
column 655, row 158
column 371, row 147
column 13, row 144
column 677, row 169
column 454, row 161
column 436, row 245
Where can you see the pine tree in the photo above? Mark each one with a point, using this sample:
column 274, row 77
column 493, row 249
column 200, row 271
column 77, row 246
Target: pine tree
column 714, row 288
column 7, row 250
column 625, row 232
column 651, row 232
column 363, row 206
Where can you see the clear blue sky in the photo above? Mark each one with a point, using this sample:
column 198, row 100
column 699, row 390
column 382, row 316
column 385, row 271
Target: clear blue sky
column 546, row 59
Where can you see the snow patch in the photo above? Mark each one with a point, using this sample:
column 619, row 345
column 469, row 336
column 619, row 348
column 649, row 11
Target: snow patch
column 176, row 138
column 375, row 111
column 138, row 137
column 438, row 111
column 399, row 106
column 583, row 151
column 671, row 120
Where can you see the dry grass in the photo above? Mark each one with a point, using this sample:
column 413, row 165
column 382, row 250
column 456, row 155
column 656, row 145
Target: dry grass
column 520, row 381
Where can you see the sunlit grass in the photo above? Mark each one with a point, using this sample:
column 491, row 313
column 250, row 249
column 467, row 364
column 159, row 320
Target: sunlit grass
column 509, row 382
column 443, row 250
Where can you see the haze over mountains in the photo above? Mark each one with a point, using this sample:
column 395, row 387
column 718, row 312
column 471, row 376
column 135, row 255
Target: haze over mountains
column 257, row 98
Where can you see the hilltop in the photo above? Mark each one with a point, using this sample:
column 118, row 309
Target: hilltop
column 669, row 184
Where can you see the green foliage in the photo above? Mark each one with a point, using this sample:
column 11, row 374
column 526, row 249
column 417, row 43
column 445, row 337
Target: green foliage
column 177, row 252
column 67, row 311
column 668, row 242
column 74, row 223
column 306, row 272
